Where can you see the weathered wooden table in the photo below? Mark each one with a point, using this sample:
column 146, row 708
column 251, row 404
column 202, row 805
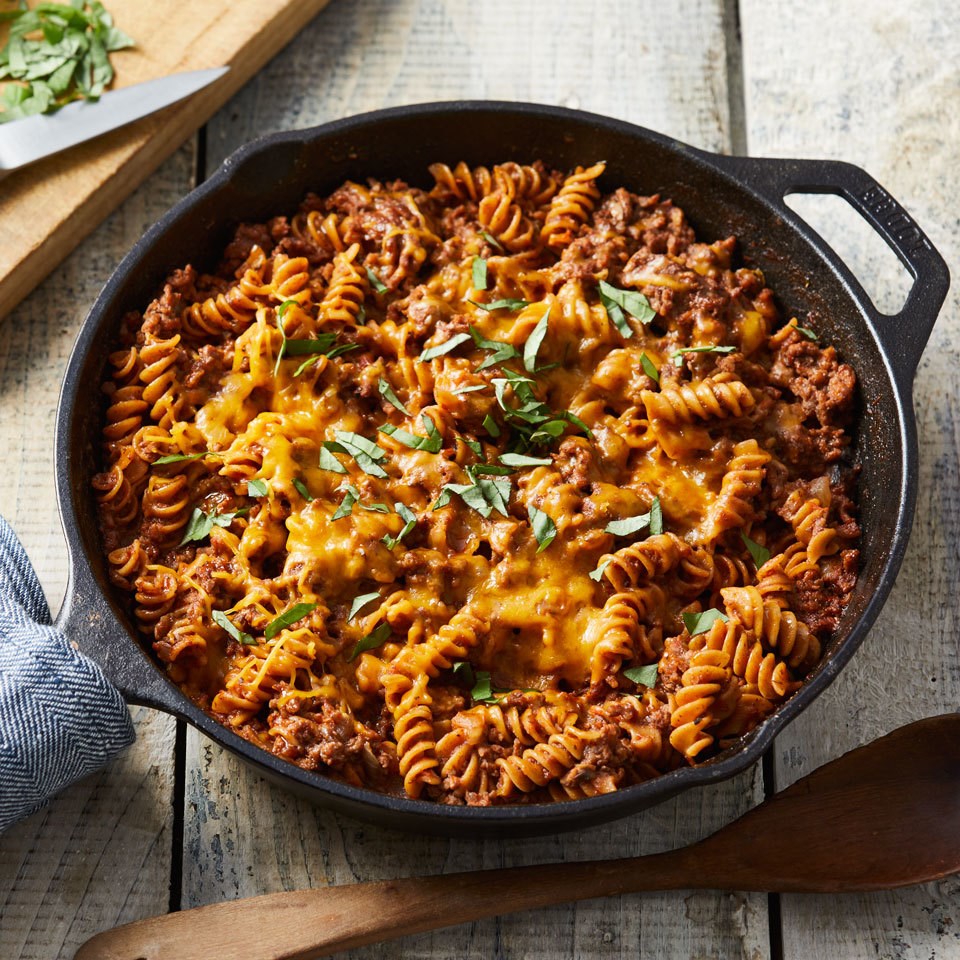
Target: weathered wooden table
column 176, row 822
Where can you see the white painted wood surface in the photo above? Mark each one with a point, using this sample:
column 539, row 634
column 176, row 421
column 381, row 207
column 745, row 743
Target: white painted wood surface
column 878, row 88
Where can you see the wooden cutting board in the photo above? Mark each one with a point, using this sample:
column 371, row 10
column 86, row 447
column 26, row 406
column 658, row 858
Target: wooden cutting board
column 48, row 208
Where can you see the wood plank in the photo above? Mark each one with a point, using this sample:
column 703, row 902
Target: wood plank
column 100, row 853
column 246, row 837
column 877, row 87
column 49, row 207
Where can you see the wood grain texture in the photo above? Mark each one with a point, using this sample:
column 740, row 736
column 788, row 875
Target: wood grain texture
column 244, row 837
column 49, row 207
column 100, row 853
column 879, row 88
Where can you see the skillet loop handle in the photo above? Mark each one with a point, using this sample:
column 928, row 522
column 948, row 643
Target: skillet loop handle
column 904, row 334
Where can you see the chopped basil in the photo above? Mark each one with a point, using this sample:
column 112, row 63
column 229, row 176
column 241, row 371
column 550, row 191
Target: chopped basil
column 491, row 239
column 200, row 524
column 410, row 519
column 760, row 555
column 374, row 507
column 533, row 421
column 459, row 391
column 491, row 469
column 280, row 311
column 365, row 452
column 221, row 620
column 807, row 332
column 491, row 426
column 601, row 567
column 482, row 495
column 479, row 273
column 656, row 517
column 445, row 347
column 297, row 612
column 534, row 341
column 615, row 301
column 319, row 344
column 464, row 670
column 329, row 354
column 371, row 641
column 360, row 602
column 702, row 622
column 329, row 462
column 649, row 369
column 544, row 529
column 386, row 391
column 522, row 460
column 508, row 304
column 301, row 487
column 375, row 281
column 482, row 692
column 499, row 351
column 346, row 505
column 677, row 355
column 257, row 488
column 432, row 443
column 474, row 445
column 644, row 676
column 632, row 525
column 183, row 457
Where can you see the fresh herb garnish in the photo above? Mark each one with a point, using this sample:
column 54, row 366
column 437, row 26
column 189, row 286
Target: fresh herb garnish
column 365, row 452
column 532, row 345
column 473, row 388
column 301, row 487
column 544, row 529
column 360, row 602
column 759, row 554
column 464, row 670
column 445, row 347
column 300, row 348
column 329, row 462
column 632, row 525
column 807, row 332
column 351, row 496
column 386, row 391
column 183, row 457
column 491, row 239
column 432, row 442
column 677, row 355
column 482, row 495
column 200, row 524
column 375, row 281
column 490, row 469
column 474, row 445
column 601, row 567
column 615, row 301
column 70, row 62
column 649, row 369
column 329, row 354
column 645, row 676
column 258, row 488
column 508, row 304
column 491, row 426
column 371, row 641
column 656, row 517
column 410, row 519
column 482, row 692
column 479, row 272
column 522, row 460
column 702, row 622
column 278, row 315
column 499, row 351
column 221, row 620
column 297, row 612
column 533, row 421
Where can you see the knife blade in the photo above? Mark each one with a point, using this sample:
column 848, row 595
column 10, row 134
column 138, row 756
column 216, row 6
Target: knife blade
column 33, row 138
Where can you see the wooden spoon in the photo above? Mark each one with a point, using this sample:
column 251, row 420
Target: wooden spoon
column 884, row 815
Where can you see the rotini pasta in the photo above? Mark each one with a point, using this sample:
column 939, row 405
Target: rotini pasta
column 505, row 491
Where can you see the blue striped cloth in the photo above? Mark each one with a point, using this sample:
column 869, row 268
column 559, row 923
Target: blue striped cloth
column 60, row 718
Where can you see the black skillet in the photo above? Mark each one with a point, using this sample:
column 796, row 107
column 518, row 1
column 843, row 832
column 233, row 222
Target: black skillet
column 721, row 195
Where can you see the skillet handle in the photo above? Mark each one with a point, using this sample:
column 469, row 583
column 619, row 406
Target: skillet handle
column 904, row 334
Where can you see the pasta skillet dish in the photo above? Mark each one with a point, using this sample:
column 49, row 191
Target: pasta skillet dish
column 506, row 491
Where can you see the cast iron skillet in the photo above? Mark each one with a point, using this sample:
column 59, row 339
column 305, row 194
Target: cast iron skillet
column 721, row 195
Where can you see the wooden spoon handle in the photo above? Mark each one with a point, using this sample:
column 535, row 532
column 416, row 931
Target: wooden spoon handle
column 308, row 923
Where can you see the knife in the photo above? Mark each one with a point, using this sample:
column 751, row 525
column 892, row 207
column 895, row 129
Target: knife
column 32, row 138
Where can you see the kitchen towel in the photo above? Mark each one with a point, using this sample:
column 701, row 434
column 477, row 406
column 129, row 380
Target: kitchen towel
column 60, row 718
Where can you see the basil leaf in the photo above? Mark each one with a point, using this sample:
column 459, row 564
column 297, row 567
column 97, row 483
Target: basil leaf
column 491, row 239
column 460, row 391
column 702, row 622
column 346, row 505
column 807, row 332
column 373, row 507
column 300, row 348
column 365, row 452
column 644, row 676
column 534, row 341
column 386, row 391
column 500, row 351
column 760, row 555
column 329, row 462
column 444, row 347
column 301, row 486
column 507, row 304
column 183, row 457
column 656, row 517
column 411, row 521
column 297, row 612
column 615, row 301
column 521, row 460
column 360, row 602
column 472, row 494
column 677, row 355
column 482, row 691
column 258, row 488
column 475, row 470
column 371, row 641
column 631, row 525
column 491, row 426
column 221, row 620
column 474, row 445
column 375, row 281
column 432, row 443
column 479, row 273
column 464, row 670
column 649, row 369
column 544, row 529
column 601, row 566
column 200, row 524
